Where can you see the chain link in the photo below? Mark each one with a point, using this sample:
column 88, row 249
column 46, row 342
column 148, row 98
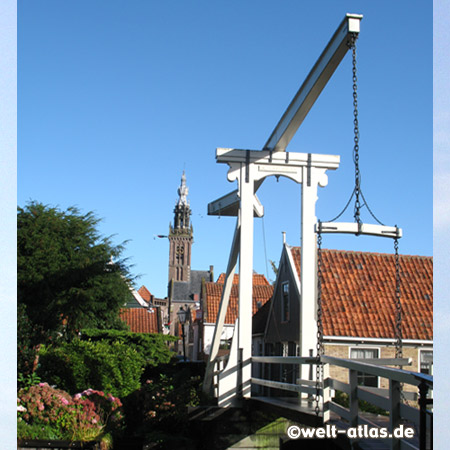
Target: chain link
column 357, row 207
column 398, row 304
column 319, row 347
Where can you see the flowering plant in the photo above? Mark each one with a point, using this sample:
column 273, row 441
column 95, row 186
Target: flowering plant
column 48, row 413
column 108, row 407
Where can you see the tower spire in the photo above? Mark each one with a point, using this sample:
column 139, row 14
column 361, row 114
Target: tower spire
column 181, row 236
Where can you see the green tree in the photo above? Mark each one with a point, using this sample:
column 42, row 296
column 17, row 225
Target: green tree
column 69, row 277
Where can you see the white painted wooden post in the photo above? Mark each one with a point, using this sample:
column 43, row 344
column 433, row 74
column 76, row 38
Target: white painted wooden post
column 246, row 194
column 228, row 283
column 394, row 411
column 308, row 264
column 326, row 393
column 353, row 398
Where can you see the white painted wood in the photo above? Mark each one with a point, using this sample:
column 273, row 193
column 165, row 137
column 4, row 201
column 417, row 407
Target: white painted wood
column 284, row 359
column 354, row 228
column 268, row 164
column 284, row 386
column 228, row 205
column 231, row 268
column 308, row 265
column 314, row 83
column 402, row 376
column 340, row 410
column 244, row 335
column 227, row 379
column 326, row 399
column 394, row 410
column 353, row 398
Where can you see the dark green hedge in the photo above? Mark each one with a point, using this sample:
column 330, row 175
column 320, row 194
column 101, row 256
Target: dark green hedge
column 112, row 367
column 153, row 347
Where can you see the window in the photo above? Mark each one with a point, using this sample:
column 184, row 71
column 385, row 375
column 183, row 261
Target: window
column 285, row 302
column 426, row 362
column 365, row 379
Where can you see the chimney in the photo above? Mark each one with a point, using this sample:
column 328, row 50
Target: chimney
column 284, row 237
column 211, row 273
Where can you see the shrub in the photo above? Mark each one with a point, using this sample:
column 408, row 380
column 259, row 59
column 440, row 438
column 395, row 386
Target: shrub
column 48, row 413
column 106, row 366
column 153, row 347
column 45, row 412
column 161, row 405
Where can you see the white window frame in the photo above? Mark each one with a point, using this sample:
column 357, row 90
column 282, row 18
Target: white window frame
column 419, row 361
column 366, row 347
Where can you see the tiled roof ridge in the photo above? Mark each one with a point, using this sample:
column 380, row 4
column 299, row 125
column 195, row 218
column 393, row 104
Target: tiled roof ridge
column 334, row 250
column 258, row 277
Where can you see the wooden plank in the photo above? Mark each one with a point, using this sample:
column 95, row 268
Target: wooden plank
column 400, row 375
column 374, row 399
column 358, row 229
column 339, row 410
column 284, row 386
column 301, row 411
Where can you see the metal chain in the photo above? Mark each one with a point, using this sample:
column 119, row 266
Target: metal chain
column 398, row 304
column 319, row 346
column 356, row 133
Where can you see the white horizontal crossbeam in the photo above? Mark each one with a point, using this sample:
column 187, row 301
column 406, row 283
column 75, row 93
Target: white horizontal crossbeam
column 268, row 163
column 359, row 229
column 228, row 206
column 265, row 157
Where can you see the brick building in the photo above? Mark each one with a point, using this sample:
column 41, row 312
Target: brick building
column 359, row 311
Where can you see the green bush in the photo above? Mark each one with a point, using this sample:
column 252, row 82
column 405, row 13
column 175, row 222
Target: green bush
column 153, row 347
column 106, row 366
column 341, row 398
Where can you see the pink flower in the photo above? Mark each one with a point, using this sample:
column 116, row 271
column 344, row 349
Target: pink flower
column 77, row 396
column 41, row 407
column 64, row 401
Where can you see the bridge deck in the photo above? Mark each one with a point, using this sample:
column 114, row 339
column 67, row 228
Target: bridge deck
column 302, row 411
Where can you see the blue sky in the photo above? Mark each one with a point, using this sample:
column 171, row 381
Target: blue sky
column 116, row 99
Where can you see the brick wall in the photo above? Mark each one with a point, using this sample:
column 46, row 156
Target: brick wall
column 343, row 351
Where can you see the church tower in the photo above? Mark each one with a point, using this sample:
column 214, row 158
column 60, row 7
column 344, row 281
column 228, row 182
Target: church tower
column 181, row 236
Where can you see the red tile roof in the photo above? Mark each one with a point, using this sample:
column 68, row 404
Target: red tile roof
column 145, row 293
column 262, row 292
column 258, row 279
column 140, row 320
column 358, row 294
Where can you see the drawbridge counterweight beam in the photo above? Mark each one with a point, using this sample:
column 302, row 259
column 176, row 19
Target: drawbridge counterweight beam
column 301, row 104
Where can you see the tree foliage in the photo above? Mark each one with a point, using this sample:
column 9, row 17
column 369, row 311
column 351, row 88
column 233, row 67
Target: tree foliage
column 69, row 277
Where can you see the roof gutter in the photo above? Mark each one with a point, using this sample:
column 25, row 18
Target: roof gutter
column 374, row 340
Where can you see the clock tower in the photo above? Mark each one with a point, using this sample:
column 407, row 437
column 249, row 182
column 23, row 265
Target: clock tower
column 181, row 237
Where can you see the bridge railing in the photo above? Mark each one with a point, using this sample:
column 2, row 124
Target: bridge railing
column 420, row 418
column 219, row 365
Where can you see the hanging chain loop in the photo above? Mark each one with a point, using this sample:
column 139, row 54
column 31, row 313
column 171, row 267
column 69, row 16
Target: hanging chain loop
column 319, row 348
column 357, row 207
column 398, row 304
